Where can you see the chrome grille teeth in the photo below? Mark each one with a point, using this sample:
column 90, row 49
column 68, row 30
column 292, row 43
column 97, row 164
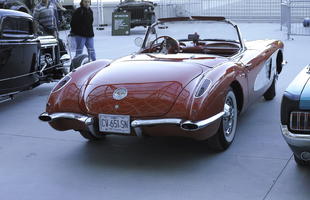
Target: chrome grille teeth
column 299, row 121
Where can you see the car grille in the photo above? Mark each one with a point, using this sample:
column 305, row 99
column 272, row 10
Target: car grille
column 300, row 121
column 137, row 13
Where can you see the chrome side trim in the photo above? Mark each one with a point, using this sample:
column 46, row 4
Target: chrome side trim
column 138, row 123
column 5, row 99
column 298, row 140
column 9, row 94
column 203, row 123
column 20, row 76
column 86, row 120
column 187, row 125
column 79, row 117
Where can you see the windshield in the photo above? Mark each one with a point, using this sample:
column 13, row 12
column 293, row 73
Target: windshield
column 207, row 30
column 198, row 33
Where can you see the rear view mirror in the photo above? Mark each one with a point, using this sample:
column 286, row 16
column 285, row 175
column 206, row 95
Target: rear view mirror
column 193, row 37
column 139, row 42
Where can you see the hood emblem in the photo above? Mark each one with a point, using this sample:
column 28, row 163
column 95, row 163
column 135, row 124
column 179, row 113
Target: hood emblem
column 119, row 93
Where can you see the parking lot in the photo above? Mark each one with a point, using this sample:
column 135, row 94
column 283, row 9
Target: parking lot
column 38, row 162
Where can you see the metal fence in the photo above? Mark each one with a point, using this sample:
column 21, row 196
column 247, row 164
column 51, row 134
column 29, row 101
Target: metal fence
column 293, row 12
column 290, row 13
column 246, row 10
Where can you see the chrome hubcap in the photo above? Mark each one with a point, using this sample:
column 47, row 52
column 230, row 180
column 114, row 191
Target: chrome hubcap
column 229, row 117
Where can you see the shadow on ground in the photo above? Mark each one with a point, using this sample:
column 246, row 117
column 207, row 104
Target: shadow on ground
column 161, row 153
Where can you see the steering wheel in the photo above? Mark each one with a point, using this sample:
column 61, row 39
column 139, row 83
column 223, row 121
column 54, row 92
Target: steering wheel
column 168, row 45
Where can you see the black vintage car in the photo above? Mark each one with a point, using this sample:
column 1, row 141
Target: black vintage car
column 19, row 5
column 27, row 59
column 27, row 6
column 142, row 12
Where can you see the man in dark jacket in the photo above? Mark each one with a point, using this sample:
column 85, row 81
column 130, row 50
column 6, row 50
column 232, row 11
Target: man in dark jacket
column 82, row 29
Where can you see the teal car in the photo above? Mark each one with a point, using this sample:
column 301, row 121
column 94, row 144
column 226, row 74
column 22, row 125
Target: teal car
column 295, row 116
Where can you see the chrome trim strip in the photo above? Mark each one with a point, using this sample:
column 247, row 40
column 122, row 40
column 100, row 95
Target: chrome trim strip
column 48, row 45
column 88, row 121
column 9, row 98
column 32, row 73
column 20, row 76
column 299, row 140
column 198, row 124
column 150, row 122
column 17, row 43
column 203, row 123
column 79, row 117
column 9, row 94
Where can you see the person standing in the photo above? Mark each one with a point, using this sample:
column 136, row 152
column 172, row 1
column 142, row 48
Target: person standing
column 44, row 13
column 58, row 9
column 82, row 29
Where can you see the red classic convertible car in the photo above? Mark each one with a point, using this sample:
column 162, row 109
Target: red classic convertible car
column 191, row 78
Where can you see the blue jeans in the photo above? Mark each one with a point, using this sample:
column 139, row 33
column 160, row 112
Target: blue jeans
column 89, row 43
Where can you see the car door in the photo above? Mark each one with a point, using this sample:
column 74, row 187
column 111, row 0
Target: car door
column 258, row 66
column 18, row 55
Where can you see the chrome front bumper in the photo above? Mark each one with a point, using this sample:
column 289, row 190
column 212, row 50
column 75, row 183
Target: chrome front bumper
column 297, row 140
column 186, row 125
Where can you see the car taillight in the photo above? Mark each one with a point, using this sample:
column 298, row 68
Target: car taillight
column 61, row 83
column 300, row 121
column 203, row 86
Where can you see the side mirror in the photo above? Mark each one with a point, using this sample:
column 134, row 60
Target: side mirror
column 139, row 42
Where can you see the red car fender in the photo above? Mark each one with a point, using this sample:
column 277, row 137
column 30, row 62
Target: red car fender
column 212, row 101
column 67, row 98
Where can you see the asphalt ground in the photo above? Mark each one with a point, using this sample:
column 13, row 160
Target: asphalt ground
column 38, row 162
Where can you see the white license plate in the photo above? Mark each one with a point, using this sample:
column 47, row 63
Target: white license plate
column 114, row 123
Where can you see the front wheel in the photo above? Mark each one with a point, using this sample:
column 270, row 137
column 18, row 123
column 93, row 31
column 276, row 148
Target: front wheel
column 301, row 162
column 271, row 92
column 226, row 132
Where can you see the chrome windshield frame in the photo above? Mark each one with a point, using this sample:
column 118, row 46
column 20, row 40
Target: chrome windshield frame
column 193, row 18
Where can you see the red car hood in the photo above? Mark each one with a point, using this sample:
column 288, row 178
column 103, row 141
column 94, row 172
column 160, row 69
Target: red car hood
column 152, row 87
